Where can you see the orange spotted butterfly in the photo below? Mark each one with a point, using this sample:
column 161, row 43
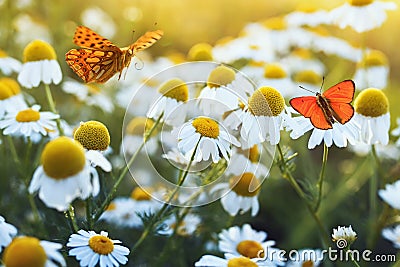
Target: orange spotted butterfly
column 99, row 59
column 330, row 106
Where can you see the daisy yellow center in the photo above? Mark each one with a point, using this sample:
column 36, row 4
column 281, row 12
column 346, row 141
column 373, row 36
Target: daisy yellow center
column 375, row 58
column 274, row 71
column 266, row 101
column 27, row 115
column 25, row 252
column 308, row 263
column 245, row 185
column 2, row 53
column 241, row 262
column 302, row 53
column 93, row 89
column 276, row 23
column 101, row 244
column 200, row 52
column 138, row 126
column 360, row 2
column 112, row 206
column 176, row 57
column 250, row 249
column 5, row 91
column 206, row 127
column 62, row 158
column 140, row 194
column 254, row 47
column 319, row 31
column 225, row 40
column 39, row 50
column 12, row 84
column 220, row 76
column 254, row 154
column 307, row 76
column 371, row 102
column 175, row 88
column 93, row 135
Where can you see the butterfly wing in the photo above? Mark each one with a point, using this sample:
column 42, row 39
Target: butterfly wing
column 92, row 65
column 147, row 40
column 308, row 107
column 86, row 38
column 339, row 98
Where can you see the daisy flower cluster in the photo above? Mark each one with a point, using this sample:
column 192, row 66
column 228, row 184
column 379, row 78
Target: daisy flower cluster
column 188, row 158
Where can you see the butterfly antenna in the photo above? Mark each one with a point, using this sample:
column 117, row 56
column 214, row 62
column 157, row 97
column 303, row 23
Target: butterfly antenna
column 323, row 80
column 306, row 89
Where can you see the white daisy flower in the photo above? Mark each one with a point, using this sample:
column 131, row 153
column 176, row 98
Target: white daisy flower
column 261, row 119
column 372, row 114
column 65, row 174
column 392, row 234
column 171, row 103
column 7, row 232
column 309, row 79
column 242, row 196
column 255, row 44
column 361, row 15
column 222, row 93
column 205, row 135
column 230, row 261
column 40, row 65
column 36, row 253
column 90, row 94
column 95, row 138
column 11, row 99
column 123, row 211
column 138, row 91
column 134, row 135
column 28, row 121
column 8, row 64
column 340, row 134
column 245, row 241
column 391, row 194
column 247, row 161
column 389, row 151
column 343, row 233
column 91, row 249
column 307, row 15
column 274, row 75
column 187, row 227
column 320, row 40
column 302, row 59
column 306, row 257
column 372, row 71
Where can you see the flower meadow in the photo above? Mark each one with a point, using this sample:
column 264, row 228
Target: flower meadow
column 206, row 149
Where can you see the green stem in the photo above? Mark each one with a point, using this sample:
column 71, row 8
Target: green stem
column 321, row 177
column 352, row 258
column 373, row 199
column 110, row 196
column 13, row 151
column 53, row 108
column 287, row 174
column 161, row 211
column 70, row 214
column 89, row 216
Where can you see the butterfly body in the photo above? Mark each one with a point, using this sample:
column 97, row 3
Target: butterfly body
column 329, row 107
column 99, row 59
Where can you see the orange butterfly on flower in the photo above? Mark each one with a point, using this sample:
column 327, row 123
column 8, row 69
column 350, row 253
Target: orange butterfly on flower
column 331, row 106
column 99, row 59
